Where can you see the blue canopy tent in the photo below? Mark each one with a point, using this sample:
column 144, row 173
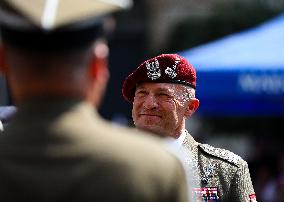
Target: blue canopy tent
column 242, row 74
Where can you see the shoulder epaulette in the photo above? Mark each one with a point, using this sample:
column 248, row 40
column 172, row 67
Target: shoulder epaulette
column 222, row 153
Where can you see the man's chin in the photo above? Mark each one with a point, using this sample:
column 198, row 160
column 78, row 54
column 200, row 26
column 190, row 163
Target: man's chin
column 152, row 129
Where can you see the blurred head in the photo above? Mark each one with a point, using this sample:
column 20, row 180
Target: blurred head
column 80, row 73
column 162, row 90
column 55, row 50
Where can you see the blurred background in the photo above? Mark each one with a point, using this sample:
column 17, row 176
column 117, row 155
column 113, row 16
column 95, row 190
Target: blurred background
column 237, row 47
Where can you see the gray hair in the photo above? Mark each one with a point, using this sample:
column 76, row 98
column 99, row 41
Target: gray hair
column 185, row 94
column 190, row 92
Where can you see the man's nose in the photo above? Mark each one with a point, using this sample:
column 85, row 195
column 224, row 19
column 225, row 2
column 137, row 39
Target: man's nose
column 150, row 102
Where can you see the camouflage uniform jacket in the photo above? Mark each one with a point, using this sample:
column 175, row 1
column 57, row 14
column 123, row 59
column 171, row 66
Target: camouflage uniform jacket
column 218, row 174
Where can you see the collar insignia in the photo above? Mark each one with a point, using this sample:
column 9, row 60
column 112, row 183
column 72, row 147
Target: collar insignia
column 208, row 173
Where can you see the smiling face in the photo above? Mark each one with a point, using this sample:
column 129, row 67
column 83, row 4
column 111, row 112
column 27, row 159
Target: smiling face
column 162, row 108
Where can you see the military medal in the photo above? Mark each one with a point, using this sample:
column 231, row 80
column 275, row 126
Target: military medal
column 205, row 194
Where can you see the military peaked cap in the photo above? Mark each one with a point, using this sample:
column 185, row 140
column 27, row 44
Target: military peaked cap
column 54, row 24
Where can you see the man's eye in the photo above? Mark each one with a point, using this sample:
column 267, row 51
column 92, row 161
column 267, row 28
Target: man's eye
column 163, row 95
column 140, row 93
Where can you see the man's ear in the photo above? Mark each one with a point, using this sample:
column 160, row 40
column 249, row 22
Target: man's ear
column 193, row 104
column 98, row 77
column 98, row 68
column 99, row 60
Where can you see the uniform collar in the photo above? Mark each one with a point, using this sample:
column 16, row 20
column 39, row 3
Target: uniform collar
column 177, row 142
column 189, row 141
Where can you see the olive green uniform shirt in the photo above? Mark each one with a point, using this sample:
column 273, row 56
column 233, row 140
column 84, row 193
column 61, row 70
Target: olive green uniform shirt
column 218, row 174
column 62, row 151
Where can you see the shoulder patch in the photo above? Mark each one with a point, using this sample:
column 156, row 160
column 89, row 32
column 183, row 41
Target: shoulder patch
column 222, row 153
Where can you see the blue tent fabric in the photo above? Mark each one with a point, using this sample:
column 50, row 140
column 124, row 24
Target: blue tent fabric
column 242, row 74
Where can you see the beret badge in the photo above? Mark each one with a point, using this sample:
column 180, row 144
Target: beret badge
column 171, row 72
column 153, row 69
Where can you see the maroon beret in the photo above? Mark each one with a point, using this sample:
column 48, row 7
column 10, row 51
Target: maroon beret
column 165, row 68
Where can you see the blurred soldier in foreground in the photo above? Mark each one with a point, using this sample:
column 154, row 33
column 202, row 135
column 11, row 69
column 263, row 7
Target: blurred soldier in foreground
column 162, row 90
column 56, row 147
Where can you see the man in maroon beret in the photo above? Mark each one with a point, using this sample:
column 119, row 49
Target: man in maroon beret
column 162, row 91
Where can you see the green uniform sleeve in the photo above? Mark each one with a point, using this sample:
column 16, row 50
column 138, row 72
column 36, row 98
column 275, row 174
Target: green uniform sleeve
column 242, row 188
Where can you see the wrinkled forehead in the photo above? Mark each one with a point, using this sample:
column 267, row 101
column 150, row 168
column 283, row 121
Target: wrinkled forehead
column 165, row 87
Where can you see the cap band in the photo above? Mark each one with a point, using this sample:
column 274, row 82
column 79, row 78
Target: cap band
column 181, row 82
column 65, row 38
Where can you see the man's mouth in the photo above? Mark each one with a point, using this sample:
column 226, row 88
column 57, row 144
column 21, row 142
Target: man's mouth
column 150, row 115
